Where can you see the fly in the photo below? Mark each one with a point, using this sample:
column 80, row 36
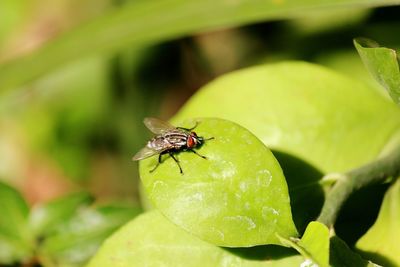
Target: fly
column 169, row 140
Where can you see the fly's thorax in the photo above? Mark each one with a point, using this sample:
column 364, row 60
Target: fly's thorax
column 176, row 138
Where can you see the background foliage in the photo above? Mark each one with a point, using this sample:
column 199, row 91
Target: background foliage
column 78, row 77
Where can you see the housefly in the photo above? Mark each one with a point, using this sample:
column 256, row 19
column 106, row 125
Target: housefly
column 169, row 140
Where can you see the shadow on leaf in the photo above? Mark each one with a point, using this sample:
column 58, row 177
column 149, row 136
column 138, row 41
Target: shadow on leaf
column 306, row 194
column 265, row 252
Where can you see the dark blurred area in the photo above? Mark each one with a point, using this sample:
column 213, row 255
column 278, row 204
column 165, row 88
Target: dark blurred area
column 78, row 126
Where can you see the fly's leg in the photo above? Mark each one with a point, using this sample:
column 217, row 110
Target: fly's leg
column 177, row 162
column 158, row 163
column 194, row 151
column 189, row 129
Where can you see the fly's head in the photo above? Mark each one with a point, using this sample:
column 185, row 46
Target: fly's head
column 193, row 140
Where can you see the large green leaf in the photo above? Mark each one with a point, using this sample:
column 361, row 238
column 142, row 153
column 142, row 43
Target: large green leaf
column 145, row 22
column 383, row 64
column 15, row 239
column 381, row 242
column 315, row 121
column 152, row 240
column 303, row 110
column 314, row 244
column 237, row 197
column 76, row 239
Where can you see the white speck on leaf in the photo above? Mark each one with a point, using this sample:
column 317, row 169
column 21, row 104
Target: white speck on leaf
column 263, row 178
column 267, row 212
column 243, row 219
column 158, row 184
column 243, row 186
column 198, row 196
column 219, row 233
column 308, row 263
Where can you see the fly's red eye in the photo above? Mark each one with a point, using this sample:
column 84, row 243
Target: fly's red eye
column 191, row 142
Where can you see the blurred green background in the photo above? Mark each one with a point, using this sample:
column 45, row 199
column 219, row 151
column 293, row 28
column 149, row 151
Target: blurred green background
column 78, row 77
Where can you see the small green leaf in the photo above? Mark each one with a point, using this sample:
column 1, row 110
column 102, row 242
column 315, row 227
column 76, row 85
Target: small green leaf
column 44, row 217
column 15, row 239
column 237, row 197
column 381, row 242
column 383, row 64
column 314, row 245
column 152, row 240
column 77, row 239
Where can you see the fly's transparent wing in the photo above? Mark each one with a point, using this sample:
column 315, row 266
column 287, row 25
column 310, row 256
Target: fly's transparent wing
column 158, row 126
column 145, row 153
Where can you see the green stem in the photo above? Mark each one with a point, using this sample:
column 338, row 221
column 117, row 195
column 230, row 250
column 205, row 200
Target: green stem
column 375, row 172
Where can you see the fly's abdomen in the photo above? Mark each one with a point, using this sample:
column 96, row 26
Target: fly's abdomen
column 159, row 143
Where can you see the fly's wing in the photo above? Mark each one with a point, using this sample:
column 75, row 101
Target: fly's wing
column 155, row 146
column 145, row 153
column 158, row 126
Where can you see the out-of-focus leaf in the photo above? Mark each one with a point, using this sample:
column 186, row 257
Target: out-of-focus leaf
column 152, row 240
column 11, row 14
column 381, row 242
column 329, row 19
column 69, row 127
column 348, row 62
column 77, row 239
column 237, row 197
column 145, row 22
column 45, row 217
column 342, row 256
column 15, row 239
column 314, row 245
column 304, row 110
column 383, row 64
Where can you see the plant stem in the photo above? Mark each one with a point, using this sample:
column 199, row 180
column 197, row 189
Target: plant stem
column 375, row 172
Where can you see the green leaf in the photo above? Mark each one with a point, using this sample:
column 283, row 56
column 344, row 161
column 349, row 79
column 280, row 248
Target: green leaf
column 382, row 63
column 321, row 250
column 314, row 245
column 237, row 197
column 303, row 110
column 381, row 242
column 45, row 217
column 309, row 116
column 141, row 23
column 15, row 239
column 77, row 239
column 152, row 240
